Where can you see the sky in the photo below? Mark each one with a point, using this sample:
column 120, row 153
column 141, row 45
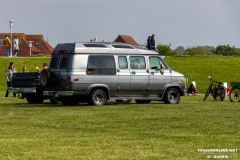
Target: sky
column 187, row 23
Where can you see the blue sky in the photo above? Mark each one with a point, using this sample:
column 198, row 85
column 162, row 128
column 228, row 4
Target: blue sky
column 179, row 22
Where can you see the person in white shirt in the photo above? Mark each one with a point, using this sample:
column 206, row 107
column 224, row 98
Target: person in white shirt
column 16, row 46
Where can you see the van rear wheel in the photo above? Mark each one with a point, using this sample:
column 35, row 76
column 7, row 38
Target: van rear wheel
column 97, row 97
column 172, row 96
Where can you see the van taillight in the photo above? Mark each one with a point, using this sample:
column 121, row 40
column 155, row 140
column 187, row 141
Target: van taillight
column 68, row 79
column 37, row 81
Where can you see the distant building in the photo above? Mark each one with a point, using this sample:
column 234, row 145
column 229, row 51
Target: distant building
column 39, row 45
column 126, row 39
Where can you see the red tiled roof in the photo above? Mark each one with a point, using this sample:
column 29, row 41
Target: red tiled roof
column 126, row 39
column 42, row 47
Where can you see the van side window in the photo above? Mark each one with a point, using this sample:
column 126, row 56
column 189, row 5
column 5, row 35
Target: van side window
column 156, row 63
column 101, row 65
column 122, row 62
column 137, row 62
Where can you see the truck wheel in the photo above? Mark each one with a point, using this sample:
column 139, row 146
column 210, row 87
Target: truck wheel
column 142, row 101
column 172, row 96
column 97, row 97
column 45, row 77
column 34, row 99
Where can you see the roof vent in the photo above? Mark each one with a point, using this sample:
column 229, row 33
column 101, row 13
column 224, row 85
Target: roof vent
column 95, row 45
column 122, row 46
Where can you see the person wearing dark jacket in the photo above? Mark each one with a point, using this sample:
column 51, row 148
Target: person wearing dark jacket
column 149, row 43
column 153, row 42
column 9, row 75
column 191, row 90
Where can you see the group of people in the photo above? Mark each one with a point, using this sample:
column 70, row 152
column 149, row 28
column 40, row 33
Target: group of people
column 8, row 45
column 11, row 69
column 151, row 42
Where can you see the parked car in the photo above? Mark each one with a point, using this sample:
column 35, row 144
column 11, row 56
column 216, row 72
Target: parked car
column 96, row 72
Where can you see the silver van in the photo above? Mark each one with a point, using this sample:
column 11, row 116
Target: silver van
column 96, row 72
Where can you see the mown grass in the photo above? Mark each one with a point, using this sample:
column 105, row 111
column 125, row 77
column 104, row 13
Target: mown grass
column 118, row 131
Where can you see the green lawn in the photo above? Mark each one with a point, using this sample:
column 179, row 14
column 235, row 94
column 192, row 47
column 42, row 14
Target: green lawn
column 118, row 131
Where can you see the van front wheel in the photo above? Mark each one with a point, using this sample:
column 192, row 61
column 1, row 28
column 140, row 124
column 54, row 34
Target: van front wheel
column 172, row 96
column 97, row 97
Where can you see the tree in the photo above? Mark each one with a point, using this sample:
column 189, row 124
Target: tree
column 165, row 50
column 199, row 50
column 227, row 50
column 180, row 50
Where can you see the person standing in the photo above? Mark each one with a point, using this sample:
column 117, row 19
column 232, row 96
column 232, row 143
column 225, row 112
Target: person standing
column 149, row 46
column 9, row 75
column 153, row 42
column 16, row 46
column 7, row 44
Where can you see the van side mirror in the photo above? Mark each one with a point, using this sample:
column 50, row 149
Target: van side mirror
column 162, row 71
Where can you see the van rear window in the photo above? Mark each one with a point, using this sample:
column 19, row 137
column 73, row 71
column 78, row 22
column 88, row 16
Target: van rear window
column 101, row 65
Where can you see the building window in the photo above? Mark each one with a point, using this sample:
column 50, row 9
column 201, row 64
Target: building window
column 37, row 43
column 1, row 41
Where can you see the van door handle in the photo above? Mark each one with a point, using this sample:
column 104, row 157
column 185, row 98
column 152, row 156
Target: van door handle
column 152, row 73
column 133, row 72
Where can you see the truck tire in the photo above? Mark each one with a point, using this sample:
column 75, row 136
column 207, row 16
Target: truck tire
column 172, row 96
column 45, row 78
column 34, row 99
column 97, row 97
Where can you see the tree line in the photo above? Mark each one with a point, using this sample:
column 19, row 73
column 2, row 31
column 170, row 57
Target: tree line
column 225, row 50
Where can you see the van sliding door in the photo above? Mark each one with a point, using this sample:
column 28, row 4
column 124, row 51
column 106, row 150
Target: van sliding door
column 139, row 76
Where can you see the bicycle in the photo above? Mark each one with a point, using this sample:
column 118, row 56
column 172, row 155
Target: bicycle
column 235, row 92
column 216, row 89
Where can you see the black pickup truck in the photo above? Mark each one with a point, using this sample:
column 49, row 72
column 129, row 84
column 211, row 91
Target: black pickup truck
column 29, row 85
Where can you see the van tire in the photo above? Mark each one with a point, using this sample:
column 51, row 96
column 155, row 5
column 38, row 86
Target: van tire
column 97, row 97
column 172, row 96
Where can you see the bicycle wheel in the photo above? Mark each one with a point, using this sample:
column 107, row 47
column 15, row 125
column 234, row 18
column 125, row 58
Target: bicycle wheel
column 235, row 95
column 209, row 90
column 221, row 93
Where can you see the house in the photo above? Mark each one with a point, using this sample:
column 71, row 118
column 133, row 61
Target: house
column 126, row 39
column 39, row 45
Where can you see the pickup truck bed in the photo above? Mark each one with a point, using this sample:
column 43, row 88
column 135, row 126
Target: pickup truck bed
column 29, row 86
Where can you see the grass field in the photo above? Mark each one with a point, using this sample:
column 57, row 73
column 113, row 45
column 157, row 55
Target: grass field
column 118, row 131
column 125, row 131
